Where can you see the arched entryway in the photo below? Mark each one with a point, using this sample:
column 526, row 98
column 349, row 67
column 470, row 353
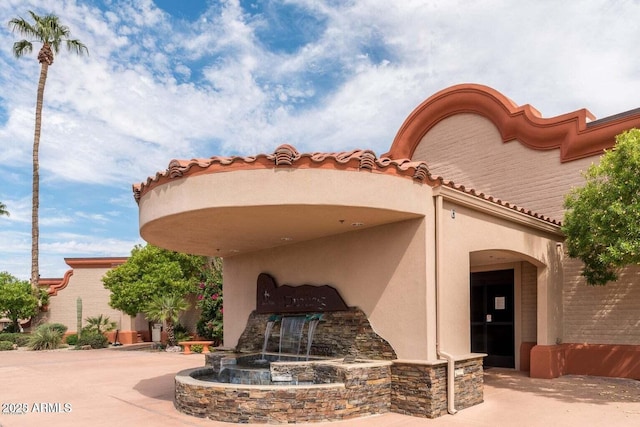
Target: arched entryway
column 492, row 300
column 503, row 305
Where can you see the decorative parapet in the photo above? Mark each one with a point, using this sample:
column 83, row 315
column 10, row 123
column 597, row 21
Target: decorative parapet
column 57, row 284
column 572, row 133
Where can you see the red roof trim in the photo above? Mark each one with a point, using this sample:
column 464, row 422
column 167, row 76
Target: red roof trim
column 287, row 156
column 106, row 262
column 568, row 132
column 56, row 285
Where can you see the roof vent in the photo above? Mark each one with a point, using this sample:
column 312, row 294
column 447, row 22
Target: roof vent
column 285, row 155
column 367, row 160
column 175, row 169
column 421, row 173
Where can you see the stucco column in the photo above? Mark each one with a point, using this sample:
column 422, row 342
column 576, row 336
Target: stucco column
column 547, row 357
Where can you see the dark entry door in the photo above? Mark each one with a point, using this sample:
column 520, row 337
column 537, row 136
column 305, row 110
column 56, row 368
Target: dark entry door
column 492, row 315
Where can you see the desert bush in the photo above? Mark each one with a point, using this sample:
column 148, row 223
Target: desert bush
column 92, row 338
column 17, row 338
column 71, row 339
column 45, row 337
column 58, row 327
column 6, row 345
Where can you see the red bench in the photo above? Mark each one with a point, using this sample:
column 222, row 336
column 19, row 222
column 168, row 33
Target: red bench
column 187, row 346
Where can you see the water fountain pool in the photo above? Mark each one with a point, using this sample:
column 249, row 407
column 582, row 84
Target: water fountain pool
column 293, row 366
column 307, row 391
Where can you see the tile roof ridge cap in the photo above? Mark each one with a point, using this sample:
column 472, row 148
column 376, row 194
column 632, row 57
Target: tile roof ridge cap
column 495, row 200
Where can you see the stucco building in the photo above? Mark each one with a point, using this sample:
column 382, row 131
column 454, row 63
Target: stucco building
column 450, row 242
column 84, row 280
column 472, row 183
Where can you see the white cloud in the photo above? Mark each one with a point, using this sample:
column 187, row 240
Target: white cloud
column 153, row 89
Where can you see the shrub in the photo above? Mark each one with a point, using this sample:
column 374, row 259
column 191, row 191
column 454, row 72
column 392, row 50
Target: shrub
column 12, row 329
column 181, row 333
column 20, row 339
column 93, row 339
column 45, row 337
column 100, row 324
column 197, row 348
column 58, row 327
column 6, row 345
column 210, row 301
column 71, row 339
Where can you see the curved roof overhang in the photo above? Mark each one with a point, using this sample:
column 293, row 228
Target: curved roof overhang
column 225, row 206
column 571, row 133
column 230, row 206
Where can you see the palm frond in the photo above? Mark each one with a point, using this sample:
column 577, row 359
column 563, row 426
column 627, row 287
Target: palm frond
column 76, row 46
column 21, row 48
column 46, row 30
column 22, row 27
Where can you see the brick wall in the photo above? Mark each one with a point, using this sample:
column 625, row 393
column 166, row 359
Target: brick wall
column 467, row 149
column 85, row 283
column 601, row 314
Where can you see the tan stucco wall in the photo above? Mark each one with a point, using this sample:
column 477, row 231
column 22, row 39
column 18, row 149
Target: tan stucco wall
column 87, row 284
column 469, row 231
column 529, row 305
column 250, row 210
column 381, row 270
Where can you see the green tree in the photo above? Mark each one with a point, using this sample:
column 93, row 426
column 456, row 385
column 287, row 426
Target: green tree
column 602, row 222
column 3, row 209
column 151, row 271
column 48, row 31
column 166, row 309
column 17, row 299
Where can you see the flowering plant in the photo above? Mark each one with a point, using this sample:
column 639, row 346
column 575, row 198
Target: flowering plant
column 209, row 301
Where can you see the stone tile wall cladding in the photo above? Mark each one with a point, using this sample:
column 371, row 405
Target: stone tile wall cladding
column 338, row 334
column 357, row 389
column 420, row 390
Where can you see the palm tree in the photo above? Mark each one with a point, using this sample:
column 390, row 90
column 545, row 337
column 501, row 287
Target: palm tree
column 166, row 309
column 48, row 31
column 3, row 209
column 100, row 323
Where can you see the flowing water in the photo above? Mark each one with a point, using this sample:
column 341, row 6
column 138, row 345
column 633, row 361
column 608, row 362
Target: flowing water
column 291, row 334
column 312, row 329
column 267, row 334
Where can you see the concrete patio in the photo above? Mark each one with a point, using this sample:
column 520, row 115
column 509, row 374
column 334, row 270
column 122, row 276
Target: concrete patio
column 115, row 387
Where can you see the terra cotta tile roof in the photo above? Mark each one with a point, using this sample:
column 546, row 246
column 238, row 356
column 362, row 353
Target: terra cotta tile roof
column 286, row 156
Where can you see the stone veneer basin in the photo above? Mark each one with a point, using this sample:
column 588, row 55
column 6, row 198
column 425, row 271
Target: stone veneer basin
column 298, row 391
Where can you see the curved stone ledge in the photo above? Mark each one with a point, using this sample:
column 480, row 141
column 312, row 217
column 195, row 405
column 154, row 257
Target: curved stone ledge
column 365, row 391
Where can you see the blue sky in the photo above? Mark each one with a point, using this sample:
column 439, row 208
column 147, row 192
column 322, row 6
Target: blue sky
column 182, row 79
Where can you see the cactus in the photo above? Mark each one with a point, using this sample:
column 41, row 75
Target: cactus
column 79, row 316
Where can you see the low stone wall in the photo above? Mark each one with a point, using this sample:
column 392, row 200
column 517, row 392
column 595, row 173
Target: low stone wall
column 420, row 389
column 364, row 389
